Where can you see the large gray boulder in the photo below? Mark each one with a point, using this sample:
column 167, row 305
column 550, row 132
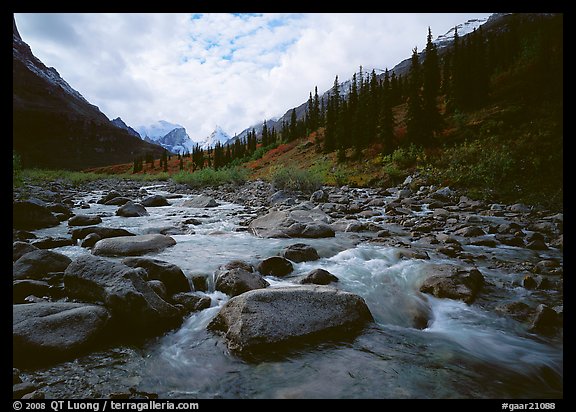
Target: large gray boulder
column 132, row 245
column 47, row 332
column 134, row 306
column 32, row 214
column 453, row 283
column 200, row 202
column 237, row 277
column 131, row 209
column 256, row 321
column 155, row 201
column 292, row 224
column 300, row 252
column 38, row 263
column 20, row 248
column 168, row 273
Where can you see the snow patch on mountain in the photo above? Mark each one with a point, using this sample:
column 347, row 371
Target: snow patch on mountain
column 157, row 130
column 217, row 136
column 171, row 136
column 463, row 29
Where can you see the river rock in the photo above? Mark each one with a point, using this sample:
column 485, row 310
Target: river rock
column 158, row 287
column 545, row 321
column 103, row 232
column 319, row 277
column 319, row 196
column 300, row 252
column 168, row 273
column 109, row 196
column 20, row 248
column 261, row 319
column 51, row 243
column 132, row 245
column 21, row 289
column 191, row 301
column 200, row 202
column 84, row 220
column 90, row 240
column 238, row 277
column 470, row 231
column 118, row 201
column 134, row 306
column 292, row 223
column 131, row 209
column 200, row 283
column 46, row 332
column 275, row 266
column 32, row 214
column 453, row 283
column 155, row 201
column 38, row 263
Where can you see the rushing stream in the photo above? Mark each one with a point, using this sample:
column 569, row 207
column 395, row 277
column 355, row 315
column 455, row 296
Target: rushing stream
column 465, row 351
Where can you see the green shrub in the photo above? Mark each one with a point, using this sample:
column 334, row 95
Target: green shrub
column 292, row 178
column 209, row 177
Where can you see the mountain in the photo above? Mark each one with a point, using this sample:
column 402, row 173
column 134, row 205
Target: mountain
column 171, row 136
column 120, row 123
column 218, row 135
column 54, row 126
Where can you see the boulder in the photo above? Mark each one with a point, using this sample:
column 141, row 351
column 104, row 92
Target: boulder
column 158, row 287
column 191, row 302
column 200, row 283
column 200, row 202
column 470, row 231
column 168, row 273
column 259, row 320
column 32, row 214
column 38, row 263
column 90, row 240
column 292, row 224
column 453, row 283
column 545, row 321
column 20, row 248
column 109, row 196
column 300, row 252
column 50, row 242
column 237, row 277
column 155, row 201
column 47, row 332
column 21, row 289
column 131, row 209
column 118, row 201
column 319, row 277
column 84, row 220
column 275, row 266
column 319, row 196
column 132, row 245
column 103, row 232
column 133, row 305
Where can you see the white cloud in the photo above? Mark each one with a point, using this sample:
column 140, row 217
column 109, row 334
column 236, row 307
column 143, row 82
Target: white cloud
column 225, row 69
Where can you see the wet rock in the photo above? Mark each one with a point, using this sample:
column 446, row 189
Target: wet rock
column 537, row 244
column 132, row 245
column 34, row 395
column 134, row 306
column 200, row 202
column 319, row 277
column 90, row 240
column 46, row 332
column 486, row 241
column 109, row 196
column 510, row 240
column 295, row 223
column 258, row 320
column 103, row 232
column 237, row 277
column 51, row 243
column 517, row 310
column 275, row 266
column 529, row 282
column 84, row 220
column 131, row 209
column 545, row 321
column 168, row 273
column 300, row 252
column 519, row 208
column 191, row 302
column 444, row 193
column 470, row 231
column 200, row 283
column 32, row 214
column 21, row 289
column 21, row 389
column 155, row 201
column 453, row 283
column 38, row 263
column 118, row 201
column 21, row 248
column 548, row 267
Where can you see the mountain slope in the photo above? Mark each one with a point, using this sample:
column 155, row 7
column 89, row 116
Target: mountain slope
column 217, row 136
column 54, row 126
column 171, row 136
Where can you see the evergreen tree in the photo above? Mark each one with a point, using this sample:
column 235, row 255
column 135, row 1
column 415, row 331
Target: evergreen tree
column 331, row 132
column 415, row 128
column 265, row 138
column 164, row 160
column 386, row 121
column 431, row 87
column 293, row 126
column 181, row 162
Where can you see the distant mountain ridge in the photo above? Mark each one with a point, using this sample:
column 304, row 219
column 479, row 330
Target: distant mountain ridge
column 54, row 126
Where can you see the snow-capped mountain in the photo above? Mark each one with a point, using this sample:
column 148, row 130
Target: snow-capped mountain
column 171, row 136
column 463, row 29
column 121, row 124
column 218, row 135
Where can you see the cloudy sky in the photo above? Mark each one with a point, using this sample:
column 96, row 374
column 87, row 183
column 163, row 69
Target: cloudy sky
column 232, row 70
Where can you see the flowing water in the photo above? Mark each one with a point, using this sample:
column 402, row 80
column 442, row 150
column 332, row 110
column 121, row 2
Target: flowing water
column 464, row 351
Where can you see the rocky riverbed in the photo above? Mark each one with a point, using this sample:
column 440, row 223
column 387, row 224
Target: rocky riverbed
column 124, row 289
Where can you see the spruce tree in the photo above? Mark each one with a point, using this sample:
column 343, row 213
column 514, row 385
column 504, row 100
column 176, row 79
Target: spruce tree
column 386, row 120
column 431, row 87
column 415, row 130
